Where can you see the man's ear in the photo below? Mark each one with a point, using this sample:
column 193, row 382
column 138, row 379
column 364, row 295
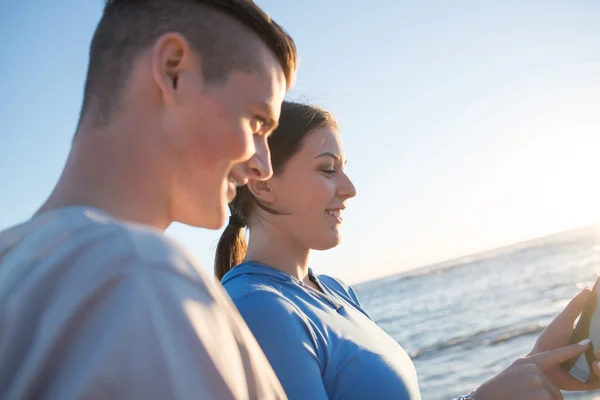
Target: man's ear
column 171, row 57
column 262, row 190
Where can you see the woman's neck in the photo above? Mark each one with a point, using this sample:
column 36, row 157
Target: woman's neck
column 276, row 250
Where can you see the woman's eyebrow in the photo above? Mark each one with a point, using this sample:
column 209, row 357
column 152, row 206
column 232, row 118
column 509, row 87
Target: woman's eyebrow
column 332, row 155
column 328, row 154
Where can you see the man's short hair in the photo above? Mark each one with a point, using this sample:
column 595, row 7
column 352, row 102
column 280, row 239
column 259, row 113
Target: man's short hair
column 221, row 31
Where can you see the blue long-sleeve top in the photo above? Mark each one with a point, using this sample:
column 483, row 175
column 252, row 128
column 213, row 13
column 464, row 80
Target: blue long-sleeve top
column 322, row 345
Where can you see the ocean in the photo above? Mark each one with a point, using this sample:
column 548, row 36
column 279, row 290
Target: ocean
column 466, row 320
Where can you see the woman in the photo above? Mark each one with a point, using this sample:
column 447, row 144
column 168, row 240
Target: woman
column 319, row 340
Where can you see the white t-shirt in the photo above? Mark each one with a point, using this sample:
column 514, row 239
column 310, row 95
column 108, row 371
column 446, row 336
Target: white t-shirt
column 91, row 307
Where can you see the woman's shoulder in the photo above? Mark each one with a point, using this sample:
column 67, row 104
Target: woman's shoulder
column 246, row 285
column 340, row 287
column 334, row 283
column 262, row 304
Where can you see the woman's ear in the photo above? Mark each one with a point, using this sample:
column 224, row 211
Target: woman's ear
column 262, row 190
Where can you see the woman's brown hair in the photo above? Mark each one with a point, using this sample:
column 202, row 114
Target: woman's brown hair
column 295, row 123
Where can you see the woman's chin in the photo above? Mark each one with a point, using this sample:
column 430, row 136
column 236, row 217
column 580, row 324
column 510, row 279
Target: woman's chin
column 328, row 242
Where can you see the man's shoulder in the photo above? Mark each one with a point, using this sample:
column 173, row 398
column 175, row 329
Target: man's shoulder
column 86, row 235
column 84, row 270
column 140, row 244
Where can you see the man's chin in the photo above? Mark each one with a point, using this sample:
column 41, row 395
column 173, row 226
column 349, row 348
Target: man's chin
column 218, row 221
column 230, row 195
column 208, row 220
column 204, row 224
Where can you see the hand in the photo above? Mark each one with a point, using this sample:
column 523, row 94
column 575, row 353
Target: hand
column 525, row 379
column 558, row 334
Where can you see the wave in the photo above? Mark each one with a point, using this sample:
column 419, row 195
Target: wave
column 442, row 267
column 436, row 269
column 571, row 237
column 487, row 337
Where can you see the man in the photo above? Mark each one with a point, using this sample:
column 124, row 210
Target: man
column 94, row 301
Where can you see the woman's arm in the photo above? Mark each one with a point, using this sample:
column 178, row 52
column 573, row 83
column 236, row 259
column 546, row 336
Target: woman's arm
column 288, row 341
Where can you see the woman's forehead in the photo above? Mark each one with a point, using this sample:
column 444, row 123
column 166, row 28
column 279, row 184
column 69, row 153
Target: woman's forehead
column 321, row 140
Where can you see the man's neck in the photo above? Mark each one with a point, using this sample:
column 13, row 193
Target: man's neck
column 112, row 180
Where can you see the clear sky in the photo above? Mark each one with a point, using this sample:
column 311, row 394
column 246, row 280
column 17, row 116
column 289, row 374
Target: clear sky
column 467, row 124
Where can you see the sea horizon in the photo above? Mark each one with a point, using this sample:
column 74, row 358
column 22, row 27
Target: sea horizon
column 476, row 255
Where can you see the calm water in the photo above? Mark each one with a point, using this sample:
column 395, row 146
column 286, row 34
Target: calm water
column 467, row 320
